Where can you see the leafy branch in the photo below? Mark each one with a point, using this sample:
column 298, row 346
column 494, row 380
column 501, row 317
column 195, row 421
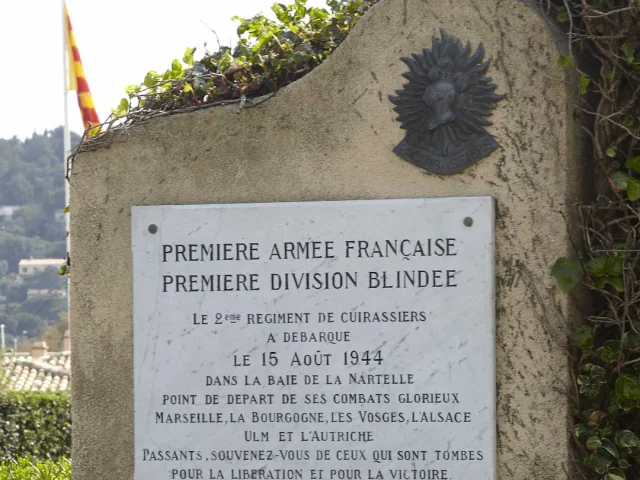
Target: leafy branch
column 269, row 55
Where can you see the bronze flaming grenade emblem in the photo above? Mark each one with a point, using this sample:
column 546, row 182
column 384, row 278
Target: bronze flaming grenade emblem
column 444, row 105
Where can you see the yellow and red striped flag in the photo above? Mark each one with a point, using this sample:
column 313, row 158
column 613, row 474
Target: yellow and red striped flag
column 78, row 81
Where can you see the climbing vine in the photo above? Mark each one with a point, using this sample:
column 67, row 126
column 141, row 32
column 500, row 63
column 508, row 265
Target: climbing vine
column 604, row 48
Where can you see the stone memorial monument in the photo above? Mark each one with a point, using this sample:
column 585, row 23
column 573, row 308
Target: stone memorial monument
column 350, row 281
column 335, row 340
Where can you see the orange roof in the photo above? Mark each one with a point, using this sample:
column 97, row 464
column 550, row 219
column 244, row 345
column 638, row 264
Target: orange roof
column 52, row 372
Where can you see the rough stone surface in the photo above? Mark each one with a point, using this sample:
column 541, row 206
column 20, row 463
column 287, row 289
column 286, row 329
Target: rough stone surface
column 330, row 137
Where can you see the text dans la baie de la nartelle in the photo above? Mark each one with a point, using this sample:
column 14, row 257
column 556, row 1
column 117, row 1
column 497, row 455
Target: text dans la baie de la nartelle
column 317, row 279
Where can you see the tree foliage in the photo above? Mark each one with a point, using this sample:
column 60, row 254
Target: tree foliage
column 32, row 180
column 30, row 170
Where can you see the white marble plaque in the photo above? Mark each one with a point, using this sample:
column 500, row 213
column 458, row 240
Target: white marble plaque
column 318, row 341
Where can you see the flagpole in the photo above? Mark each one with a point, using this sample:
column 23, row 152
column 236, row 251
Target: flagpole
column 67, row 138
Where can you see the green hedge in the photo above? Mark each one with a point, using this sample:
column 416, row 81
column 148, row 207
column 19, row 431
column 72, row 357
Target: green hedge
column 27, row 469
column 35, row 424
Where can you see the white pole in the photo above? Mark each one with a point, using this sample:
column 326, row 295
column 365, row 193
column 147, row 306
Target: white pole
column 65, row 85
column 15, row 345
column 67, row 136
column 2, row 345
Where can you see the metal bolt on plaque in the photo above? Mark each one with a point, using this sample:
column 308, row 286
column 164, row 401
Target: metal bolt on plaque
column 444, row 105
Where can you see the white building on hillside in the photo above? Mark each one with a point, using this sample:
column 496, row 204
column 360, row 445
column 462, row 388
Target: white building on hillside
column 41, row 292
column 59, row 216
column 7, row 211
column 28, row 267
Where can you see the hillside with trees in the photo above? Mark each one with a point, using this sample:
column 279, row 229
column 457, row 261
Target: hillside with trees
column 33, row 226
